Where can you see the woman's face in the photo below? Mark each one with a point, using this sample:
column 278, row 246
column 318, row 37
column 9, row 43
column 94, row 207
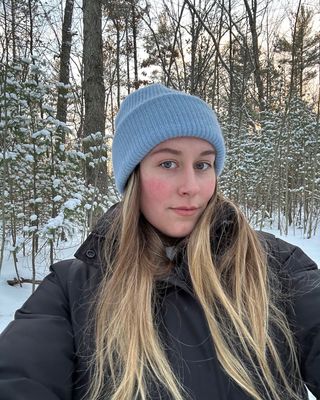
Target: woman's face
column 177, row 180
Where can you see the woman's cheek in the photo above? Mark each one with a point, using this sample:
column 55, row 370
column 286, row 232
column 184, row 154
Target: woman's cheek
column 156, row 187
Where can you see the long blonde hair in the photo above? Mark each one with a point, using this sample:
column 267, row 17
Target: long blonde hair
column 231, row 283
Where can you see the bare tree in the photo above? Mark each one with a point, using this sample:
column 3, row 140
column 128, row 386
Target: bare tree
column 65, row 61
column 94, row 91
column 94, row 96
column 252, row 17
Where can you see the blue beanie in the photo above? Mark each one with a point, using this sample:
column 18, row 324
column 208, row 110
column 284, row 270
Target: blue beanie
column 154, row 114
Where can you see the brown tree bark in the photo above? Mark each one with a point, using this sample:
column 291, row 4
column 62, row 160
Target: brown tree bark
column 252, row 17
column 94, row 99
column 135, row 50
column 65, row 61
column 94, row 91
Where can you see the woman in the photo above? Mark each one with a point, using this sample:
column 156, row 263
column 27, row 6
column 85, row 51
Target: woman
column 173, row 295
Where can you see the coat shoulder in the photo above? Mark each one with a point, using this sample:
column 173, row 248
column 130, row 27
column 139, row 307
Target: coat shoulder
column 76, row 278
column 285, row 254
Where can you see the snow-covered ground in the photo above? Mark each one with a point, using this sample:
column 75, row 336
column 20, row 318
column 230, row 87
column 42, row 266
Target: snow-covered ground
column 12, row 297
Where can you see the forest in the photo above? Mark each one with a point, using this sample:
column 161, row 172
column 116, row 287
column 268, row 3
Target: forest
column 66, row 65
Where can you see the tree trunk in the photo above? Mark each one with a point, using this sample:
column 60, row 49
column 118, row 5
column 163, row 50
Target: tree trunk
column 128, row 56
column 315, row 164
column 13, row 29
column 135, row 50
column 94, row 92
column 94, row 100
column 252, row 17
column 118, row 49
column 65, row 63
column 31, row 26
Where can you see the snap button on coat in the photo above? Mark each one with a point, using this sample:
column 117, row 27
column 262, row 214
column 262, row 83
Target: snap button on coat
column 90, row 253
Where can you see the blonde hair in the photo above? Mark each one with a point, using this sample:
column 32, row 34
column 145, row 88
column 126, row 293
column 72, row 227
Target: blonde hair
column 231, row 283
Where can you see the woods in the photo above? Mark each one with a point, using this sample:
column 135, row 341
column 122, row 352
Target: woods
column 65, row 66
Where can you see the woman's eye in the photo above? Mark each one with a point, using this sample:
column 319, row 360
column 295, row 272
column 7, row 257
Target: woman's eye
column 168, row 164
column 203, row 165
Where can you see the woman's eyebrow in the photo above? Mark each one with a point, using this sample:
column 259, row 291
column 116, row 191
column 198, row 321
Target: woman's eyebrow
column 166, row 150
column 208, row 153
column 178, row 152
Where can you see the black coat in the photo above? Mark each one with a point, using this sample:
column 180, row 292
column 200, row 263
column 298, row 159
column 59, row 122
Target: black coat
column 43, row 353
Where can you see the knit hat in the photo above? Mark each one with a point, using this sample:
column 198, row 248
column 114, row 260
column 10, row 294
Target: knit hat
column 154, row 114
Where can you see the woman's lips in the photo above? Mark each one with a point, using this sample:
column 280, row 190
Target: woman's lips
column 185, row 211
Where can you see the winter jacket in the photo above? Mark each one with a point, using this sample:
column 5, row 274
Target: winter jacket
column 44, row 351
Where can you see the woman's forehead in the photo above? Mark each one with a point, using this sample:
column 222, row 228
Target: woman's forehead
column 181, row 144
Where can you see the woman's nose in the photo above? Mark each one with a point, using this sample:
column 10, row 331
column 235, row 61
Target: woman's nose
column 188, row 182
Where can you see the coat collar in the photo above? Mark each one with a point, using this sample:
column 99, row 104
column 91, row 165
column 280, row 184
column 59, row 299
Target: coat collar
column 91, row 249
column 90, row 252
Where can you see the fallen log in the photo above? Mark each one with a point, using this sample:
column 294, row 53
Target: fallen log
column 15, row 281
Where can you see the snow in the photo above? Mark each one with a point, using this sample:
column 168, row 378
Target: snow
column 26, row 60
column 54, row 223
column 56, row 182
column 72, row 204
column 29, row 157
column 57, row 198
column 43, row 132
column 78, row 196
column 94, row 137
column 12, row 297
column 9, row 155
